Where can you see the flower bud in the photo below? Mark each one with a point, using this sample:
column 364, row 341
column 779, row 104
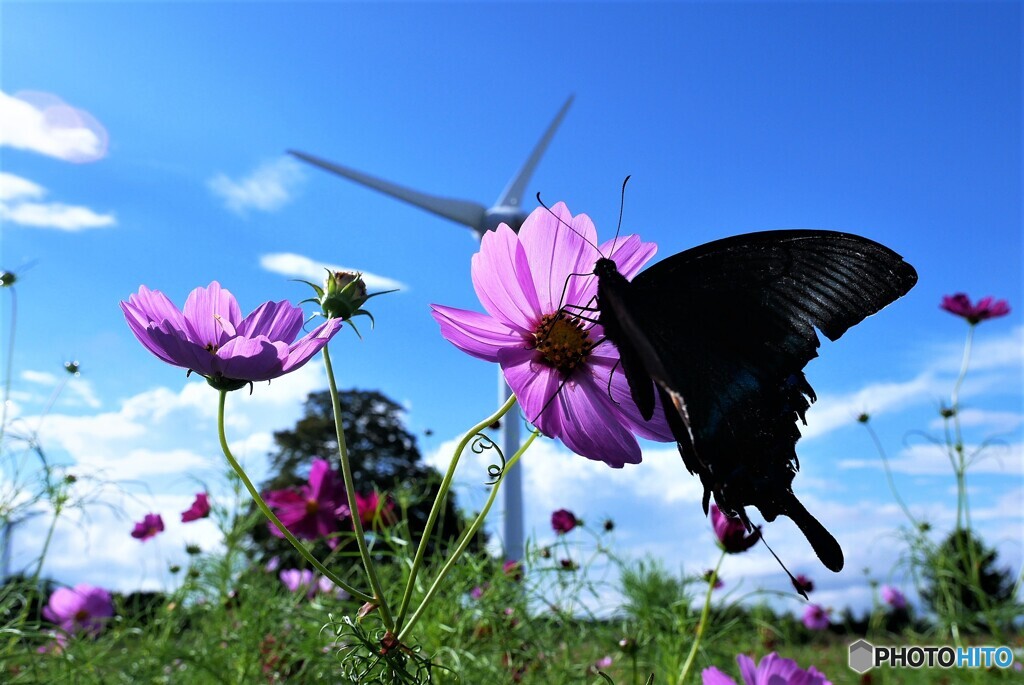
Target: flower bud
column 344, row 294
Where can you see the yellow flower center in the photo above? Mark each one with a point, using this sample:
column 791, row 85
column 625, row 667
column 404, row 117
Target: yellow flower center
column 562, row 341
column 312, row 506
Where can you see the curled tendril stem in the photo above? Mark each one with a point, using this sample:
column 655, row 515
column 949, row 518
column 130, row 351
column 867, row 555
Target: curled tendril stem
column 482, row 443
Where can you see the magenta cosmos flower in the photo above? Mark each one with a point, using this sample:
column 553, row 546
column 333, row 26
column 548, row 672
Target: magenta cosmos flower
column 370, row 504
column 315, row 510
column 732, row 535
column 148, row 527
column 803, row 584
column 200, row 509
column 773, row 670
column 893, row 597
column 83, row 608
column 211, row 338
column 558, row 365
column 815, row 617
column 987, row 307
column 563, row 520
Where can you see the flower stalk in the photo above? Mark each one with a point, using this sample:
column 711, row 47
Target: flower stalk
column 467, row 536
column 258, row 499
column 702, row 625
column 350, row 490
column 438, row 506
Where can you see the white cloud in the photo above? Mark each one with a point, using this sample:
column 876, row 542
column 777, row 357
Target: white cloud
column 930, row 459
column 55, row 215
column 297, row 266
column 43, row 123
column 268, row 188
column 835, row 411
column 39, row 377
column 15, row 187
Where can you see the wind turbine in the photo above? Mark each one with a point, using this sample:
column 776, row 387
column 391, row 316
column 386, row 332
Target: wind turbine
column 480, row 219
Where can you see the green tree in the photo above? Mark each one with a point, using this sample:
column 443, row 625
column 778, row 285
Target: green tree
column 383, row 455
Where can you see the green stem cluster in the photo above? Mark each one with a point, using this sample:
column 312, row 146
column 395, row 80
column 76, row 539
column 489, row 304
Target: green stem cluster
column 397, row 625
column 702, row 625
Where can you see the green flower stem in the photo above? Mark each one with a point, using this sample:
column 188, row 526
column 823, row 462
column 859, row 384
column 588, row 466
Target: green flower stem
column 703, row 623
column 353, row 505
column 437, row 508
column 254, row 493
column 888, row 475
column 10, row 365
column 467, row 537
column 960, row 465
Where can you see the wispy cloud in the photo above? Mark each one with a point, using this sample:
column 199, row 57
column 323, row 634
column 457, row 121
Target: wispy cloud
column 297, row 266
column 14, row 207
column 267, row 188
column 55, row 215
column 932, row 459
column 17, row 188
column 43, row 123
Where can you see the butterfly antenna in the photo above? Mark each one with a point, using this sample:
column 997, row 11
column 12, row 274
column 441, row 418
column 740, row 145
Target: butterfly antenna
column 796, row 585
column 562, row 221
column 622, row 206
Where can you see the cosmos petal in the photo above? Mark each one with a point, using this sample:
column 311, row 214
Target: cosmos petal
column 503, row 280
column 477, row 334
column 712, row 676
column 256, row 359
column 302, row 350
column 535, row 386
column 210, row 313
column 275, row 320
column 555, row 252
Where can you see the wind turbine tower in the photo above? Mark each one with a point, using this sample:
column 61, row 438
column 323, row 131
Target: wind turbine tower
column 480, row 219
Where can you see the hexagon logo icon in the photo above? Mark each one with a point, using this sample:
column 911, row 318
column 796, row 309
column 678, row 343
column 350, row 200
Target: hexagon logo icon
column 862, row 656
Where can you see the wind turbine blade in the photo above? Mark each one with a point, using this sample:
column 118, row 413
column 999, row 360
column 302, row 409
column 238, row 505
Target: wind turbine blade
column 467, row 213
column 513, row 193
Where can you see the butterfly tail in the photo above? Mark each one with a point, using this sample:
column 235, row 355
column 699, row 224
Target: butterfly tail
column 824, row 545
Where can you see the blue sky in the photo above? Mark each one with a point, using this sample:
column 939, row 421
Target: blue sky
column 900, row 122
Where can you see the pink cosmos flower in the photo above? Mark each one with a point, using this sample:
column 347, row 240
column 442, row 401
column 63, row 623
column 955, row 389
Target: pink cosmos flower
column 773, row 670
column 513, row 569
column 987, row 307
column 893, row 597
column 200, row 509
column 563, row 520
column 732, row 535
column 305, row 581
column 315, row 510
column 559, row 366
column 815, row 617
column 370, row 504
column 299, row 580
column 210, row 337
column 83, row 608
column 148, row 527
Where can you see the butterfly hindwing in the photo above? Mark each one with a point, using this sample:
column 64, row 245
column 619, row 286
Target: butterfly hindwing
column 724, row 331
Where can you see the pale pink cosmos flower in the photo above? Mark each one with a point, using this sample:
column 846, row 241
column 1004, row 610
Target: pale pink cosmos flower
column 83, row 608
column 773, row 670
column 815, row 617
column 210, row 337
column 893, row 597
column 565, row 375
